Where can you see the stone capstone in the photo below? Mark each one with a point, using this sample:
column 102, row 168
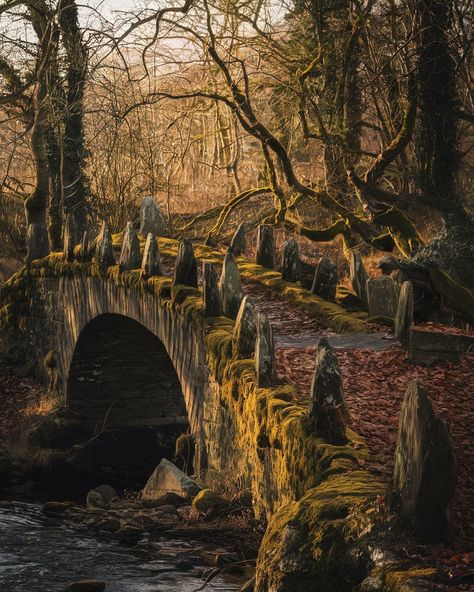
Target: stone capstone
column 151, row 218
column 211, row 292
column 245, row 330
column 290, row 261
column 424, row 473
column 325, row 280
column 327, row 408
column 130, row 257
column 404, row 316
column 85, row 249
column 230, row 286
column 168, row 478
column 185, row 270
column 237, row 244
column 104, row 253
column 264, row 352
column 359, row 275
column 151, row 261
column 265, row 255
column 382, row 297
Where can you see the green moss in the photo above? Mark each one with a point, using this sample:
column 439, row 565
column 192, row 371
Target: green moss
column 394, row 579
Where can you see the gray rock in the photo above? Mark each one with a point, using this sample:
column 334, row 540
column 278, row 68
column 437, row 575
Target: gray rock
column 237, row 244
column 130, row 257
column 185, row 270
column 325, row 279
column 404, row 316
column 424, row 473
column 211, row 292
column 56, row 508
column 100, row 497
column 230, row 286
column 265, row 255
column 264, row 352
column 71, row 237
column 109, row 524
column 245, row 330
column 290, row 261
column 37, row 242
column 327, row 409
column 151, row 262
column 151, row 218
column 359, row 275
column 104, row 252
column 382, row 297
column 168, row 478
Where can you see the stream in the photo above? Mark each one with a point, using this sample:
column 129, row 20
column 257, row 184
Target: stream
column 40, row 554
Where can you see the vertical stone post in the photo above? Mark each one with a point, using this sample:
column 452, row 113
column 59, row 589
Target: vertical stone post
column 382, row 297
column 424, row 473
column 404, row 316
column 327, row 410
column 130, row 253
column 290, row 263
column 104, row 252
column 265, row 247
column 325, row 281
column 265, row 366
column 237, row 244
column 70, row 237
column 230, row 286
column 151, row 218
column 85, row 252
column 151, row 261
column 210, row 288
column 359, row 275
column 306, row 274
column 245, row 331
column 185, row 269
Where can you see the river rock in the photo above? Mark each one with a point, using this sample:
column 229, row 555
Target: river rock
column 87, row 586
column 382, row 297
column 151, row 218
column 130, row 252
column 151, row 262
column 56, row 509
column 230, row 286
column 325, row 279
column 211, row 292
column 245, row 330
column 185, row 270
column 265, row 255
column 101, row 497
column 424, row 473
column 264, row 352
column 359, row 275
column 237, row 244
column 167, row 477
column 109, row 524
column 104, row 252
column 327, row 410
column 290, row 261
column 71, row 237
column 404, row 316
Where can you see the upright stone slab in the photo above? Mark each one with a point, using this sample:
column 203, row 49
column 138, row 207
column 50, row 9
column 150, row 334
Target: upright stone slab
column 265, row 255
column 230, row 286
column 37, row 242
column 151, row 261
column 185, row 269
column 130, row 253
column 211, row 292
column 151, row 218
column 325, row 281
column 245, row 331
column 104, row 252
column 264, row 352
column 306, row 274
column 404, row 316
column 327, row 410
column 70, row 238
column 290, row 261
column 237, row 244
column 359, row 275
column 382, row 297
column 424, row 474
column 85, row 251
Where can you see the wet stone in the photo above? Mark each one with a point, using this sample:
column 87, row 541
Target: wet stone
column 290, row 261
column 87, row 586
column 211, row 292
column 245, row 330
column 327, row 410
column 104, row 253
column 404, row 316
column 237, row 244
column 230, row 286
column 185, row 271
column 130, row 257
column 264, row 352
column 151, row 262
column 424, row 474
column 359, row 275
column 265, row 247
column 382, row 297
column 151, row 218
column 325, row 281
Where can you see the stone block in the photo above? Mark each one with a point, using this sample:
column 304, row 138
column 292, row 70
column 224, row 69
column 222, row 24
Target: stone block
column 211, row 292
column 290, row 261
column 404, row 316
column 185, row 270
column 130, row 257
column 265, row 255
column 325, row 281
column 151, row 218
column 151, row 261
column 237, row 244
column 426, row 347
column 264, row 352
column 230, row 286
column 359, row 275
column 104, row 253
column 245, row 330
column 382, row 297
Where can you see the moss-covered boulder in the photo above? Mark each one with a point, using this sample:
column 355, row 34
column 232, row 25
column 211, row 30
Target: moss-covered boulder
column 207, row 500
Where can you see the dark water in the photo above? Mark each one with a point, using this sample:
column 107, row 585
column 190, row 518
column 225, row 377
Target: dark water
column 40, row 555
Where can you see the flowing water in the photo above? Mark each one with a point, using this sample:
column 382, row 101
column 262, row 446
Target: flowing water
column 38, row 554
